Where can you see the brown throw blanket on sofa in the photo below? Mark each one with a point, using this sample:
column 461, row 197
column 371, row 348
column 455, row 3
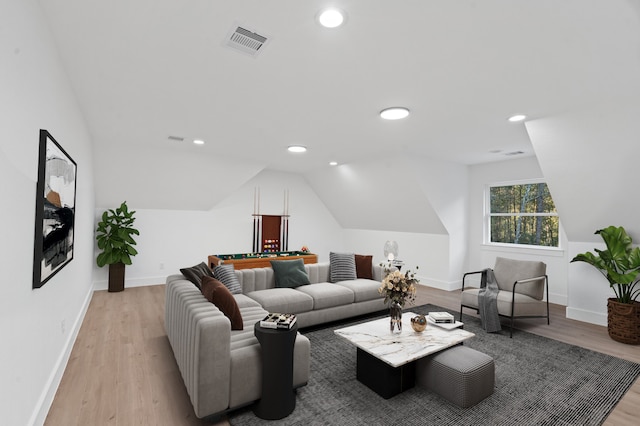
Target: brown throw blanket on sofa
column 488, row 302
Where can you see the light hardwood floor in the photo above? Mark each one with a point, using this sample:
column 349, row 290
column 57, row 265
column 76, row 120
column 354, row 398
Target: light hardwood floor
column 122, row 370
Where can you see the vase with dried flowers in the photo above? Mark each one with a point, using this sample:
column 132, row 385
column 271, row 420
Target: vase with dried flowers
column 397, row 288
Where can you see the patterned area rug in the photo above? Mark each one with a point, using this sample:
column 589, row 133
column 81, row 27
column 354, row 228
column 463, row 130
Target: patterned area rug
column 539, row 381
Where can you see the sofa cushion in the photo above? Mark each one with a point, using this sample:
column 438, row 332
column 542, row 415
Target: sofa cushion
column 290, row 273
column 343, row 266
column 283, row 300
column 326, row 295
column 525, row 305
column 245, row 301
column 216, row 292
column 363, row 289
column 196, row 272
column 225, row 273
column 364, row 266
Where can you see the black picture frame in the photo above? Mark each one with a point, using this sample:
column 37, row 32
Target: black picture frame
column 55, row 210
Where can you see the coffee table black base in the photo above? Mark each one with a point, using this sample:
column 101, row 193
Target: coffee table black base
column 383, row 379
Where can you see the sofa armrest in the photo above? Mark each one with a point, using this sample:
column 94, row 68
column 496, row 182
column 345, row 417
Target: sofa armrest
column 464, row 277
column 377, row 272
column 200, row 337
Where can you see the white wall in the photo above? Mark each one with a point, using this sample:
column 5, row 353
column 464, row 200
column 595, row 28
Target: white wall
column 445, row 185
column 418, row 202
column 481, row 255
column 37, row 327
column 173, row 239
column 381, row 194
column 589, row 157
column 425, row 254
column 588, row 289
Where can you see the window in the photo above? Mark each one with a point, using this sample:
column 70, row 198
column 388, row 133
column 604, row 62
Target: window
column 522, row 214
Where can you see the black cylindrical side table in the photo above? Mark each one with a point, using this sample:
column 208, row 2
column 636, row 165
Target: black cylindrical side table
column 278, row 397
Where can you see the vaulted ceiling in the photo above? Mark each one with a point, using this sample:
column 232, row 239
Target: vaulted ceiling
column 145, row 71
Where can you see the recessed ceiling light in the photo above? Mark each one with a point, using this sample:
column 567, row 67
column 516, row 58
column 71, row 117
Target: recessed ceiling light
column 517, row 117
column 333, row 163
column 297, row 148
column 394, row 113
column 331, row 18
column 198, row 141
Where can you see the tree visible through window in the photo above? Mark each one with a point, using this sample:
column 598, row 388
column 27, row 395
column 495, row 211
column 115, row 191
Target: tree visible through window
column 523, row 214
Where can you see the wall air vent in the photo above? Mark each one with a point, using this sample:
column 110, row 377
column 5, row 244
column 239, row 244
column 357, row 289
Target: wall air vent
column 246, row 41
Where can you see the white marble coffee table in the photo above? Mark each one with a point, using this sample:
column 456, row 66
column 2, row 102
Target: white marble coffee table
column 385, row 360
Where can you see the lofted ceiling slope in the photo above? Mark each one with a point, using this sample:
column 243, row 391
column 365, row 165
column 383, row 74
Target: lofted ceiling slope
column 147, row 70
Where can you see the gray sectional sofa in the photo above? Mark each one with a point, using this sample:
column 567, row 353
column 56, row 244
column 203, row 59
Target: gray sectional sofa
column 222, row 368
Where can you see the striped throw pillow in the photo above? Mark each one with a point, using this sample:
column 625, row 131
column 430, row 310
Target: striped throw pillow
column 226, row 274
column 342, row 266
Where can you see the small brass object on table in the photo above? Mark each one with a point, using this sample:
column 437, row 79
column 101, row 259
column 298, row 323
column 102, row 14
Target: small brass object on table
column 419, row 323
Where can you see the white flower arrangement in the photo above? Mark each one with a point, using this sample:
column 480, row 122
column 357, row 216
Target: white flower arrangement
column 398, row 287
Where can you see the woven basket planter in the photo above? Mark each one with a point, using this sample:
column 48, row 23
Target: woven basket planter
column 623, row 321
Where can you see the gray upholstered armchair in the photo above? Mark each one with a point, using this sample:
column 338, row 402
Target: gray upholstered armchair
column 523, row 286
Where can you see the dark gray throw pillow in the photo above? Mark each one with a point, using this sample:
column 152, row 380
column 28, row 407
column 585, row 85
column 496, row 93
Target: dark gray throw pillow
column 195, row 273
column 342, row 266
column 290, row 273
column 226, row 274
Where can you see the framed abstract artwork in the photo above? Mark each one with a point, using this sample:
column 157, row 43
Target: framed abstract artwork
column 55, row 210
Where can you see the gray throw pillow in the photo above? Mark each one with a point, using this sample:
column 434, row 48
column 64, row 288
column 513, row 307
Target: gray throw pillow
column 226, row 274
column 343, row 267
column 195, row 273
column 290, row 273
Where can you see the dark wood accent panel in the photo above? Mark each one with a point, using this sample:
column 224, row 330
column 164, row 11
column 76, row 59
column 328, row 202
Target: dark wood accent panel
column 271, row 233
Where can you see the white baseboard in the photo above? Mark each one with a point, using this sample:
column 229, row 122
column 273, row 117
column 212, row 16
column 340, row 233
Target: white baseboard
column 134, row 282
column 439, row 284
column 587, row 316
column 48, row 394
column 558, row 299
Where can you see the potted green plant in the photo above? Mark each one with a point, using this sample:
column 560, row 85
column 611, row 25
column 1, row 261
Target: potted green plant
column 115, row 238
column 620, row 265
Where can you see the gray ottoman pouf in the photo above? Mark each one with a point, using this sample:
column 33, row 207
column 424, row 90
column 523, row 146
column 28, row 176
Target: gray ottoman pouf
column 460, row 374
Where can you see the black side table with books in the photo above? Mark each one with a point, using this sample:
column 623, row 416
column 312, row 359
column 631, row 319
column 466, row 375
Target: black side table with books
column 278, row 396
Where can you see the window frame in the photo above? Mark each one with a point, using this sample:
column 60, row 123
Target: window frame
column 487, row 215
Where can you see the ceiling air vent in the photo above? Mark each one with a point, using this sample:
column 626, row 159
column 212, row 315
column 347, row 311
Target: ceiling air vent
column 514, row 153
column 246, row 41
column 176, row 138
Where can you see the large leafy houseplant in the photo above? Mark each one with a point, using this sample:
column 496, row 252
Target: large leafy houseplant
column 619, row 263
column 115, row 238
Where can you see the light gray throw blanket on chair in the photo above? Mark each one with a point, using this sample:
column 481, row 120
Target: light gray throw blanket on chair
column 488, row 302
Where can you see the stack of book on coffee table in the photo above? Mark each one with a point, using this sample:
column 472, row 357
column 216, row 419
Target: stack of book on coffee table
column 443, row 319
